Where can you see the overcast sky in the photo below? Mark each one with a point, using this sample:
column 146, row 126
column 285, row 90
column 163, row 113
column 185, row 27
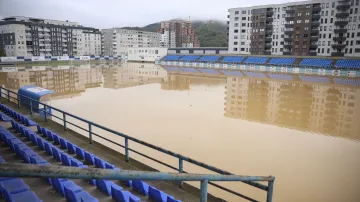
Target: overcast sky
column 119, row 13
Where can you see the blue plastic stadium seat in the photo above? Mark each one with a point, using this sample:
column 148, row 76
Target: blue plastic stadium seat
column 71, row 147
column 282, row 61
column 56, row 153
column 232, row 59
column 105, row 186
column 126, row 196
column 13, row 186
column 141, row 187
column 89, row 158
column 209, row 58
column 66, row 159
column 38, row 128
column 40, row 142
column 24, row 197
column 2, row 160
column 5, row 117
column 99, row 163
column 76, row 163
column 316, row 62
column 13, row 142
column 348, row 64
column 158, row 195
column 48, row 148
column 256, row 60
column 190, row 58
column 26, row 154
column 86, row 197
column 56, row 138
column 30, row 122
column 71, row 189
column 58, row 184
column 20, row 148
column 80, row 153
column 63, row 143
column 37, row 160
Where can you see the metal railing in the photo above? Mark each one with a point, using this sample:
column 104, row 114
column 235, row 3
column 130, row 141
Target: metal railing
column 127, row 149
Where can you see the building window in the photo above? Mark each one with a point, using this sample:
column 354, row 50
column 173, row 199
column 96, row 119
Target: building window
column 235, row 49
column 306, row 28
column 352, row 35
column 322, row 13
column 329, row 43
column 326, row 13
column 325, row 27
column 235, row 43
column 350, row 52
column 236, row 31
column 357, row 50
column 236, row 12
column 330, row 36
column 333, row 5
column 326, row 21
column 322, row 50
column 350, row 19
column 298, row 21
column 332, row 13
column 237, row 18
column 357, row 2
column 327, row 5
column 356, row 11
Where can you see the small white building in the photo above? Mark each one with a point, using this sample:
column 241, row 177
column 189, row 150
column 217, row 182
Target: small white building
column 145, row 54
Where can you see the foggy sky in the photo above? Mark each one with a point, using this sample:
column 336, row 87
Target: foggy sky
column 118, row 13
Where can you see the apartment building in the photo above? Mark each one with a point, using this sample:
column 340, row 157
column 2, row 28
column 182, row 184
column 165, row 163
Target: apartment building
column 178, row 33
column 315, row 28
column 320, row 108
column 25, row 36
column 116, row 41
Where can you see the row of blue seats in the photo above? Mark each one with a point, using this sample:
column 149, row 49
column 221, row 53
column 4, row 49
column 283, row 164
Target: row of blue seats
column 316, row 62
column 348, row 64
column 67, row 188
column 68, row 160
column 256, row 60
column 14, row 189
column 281, row 61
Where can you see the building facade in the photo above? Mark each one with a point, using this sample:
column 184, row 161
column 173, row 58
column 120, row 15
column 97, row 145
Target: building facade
column 24, row 36
column 314, row 28
column 178, row 33
column 116, row 41
column 146, row 54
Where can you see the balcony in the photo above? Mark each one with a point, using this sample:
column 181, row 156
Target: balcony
column 268, row 45
column 228, row 16
column 341, row 22
column 289, row 25
column 287, row 53
column 267, row 52
column 341, row 30
column 288, row 39
column 316, row 9
column 269, row 26
column 315, row 24
column 343, row 7
column 314, row 38
column 268, row 39
column 46, row 30
column 340, row 38
column 289, row 18
column 337, row 54
column 313, row 46
column 312, row 53
column 338, row 46
column 290, row 10
column 288, row 46
column 316, row 16
column 269, row 19
column 342, row 15
column 289, row 32
column 314, row 31
column 270, row 12
column 269, row 31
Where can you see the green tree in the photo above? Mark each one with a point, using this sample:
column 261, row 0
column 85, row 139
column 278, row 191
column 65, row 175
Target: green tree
column 2, row 53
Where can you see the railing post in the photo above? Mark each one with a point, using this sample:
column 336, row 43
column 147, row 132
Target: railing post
column 45, row 113
column 270, row 190
column 126, row 149
column 30, row 106
column 64, row 119
column 203, row 191
column 181, row 167
column 8, row 96
column 90, row 134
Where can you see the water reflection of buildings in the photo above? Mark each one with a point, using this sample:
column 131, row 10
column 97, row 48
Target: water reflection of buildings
column 183, row 82
column 65, row 81
column 132, row 74
column 319, row 108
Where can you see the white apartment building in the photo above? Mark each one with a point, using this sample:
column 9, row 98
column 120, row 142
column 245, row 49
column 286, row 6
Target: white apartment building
column 25, row 36
column 116, row 41
column 318, row 27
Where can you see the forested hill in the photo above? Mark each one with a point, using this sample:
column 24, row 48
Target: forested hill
column 210, row 33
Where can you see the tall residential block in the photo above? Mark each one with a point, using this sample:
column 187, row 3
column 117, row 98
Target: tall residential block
column 25, row 36
column 178, row 33
column 116, row 41
column 318, row 27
